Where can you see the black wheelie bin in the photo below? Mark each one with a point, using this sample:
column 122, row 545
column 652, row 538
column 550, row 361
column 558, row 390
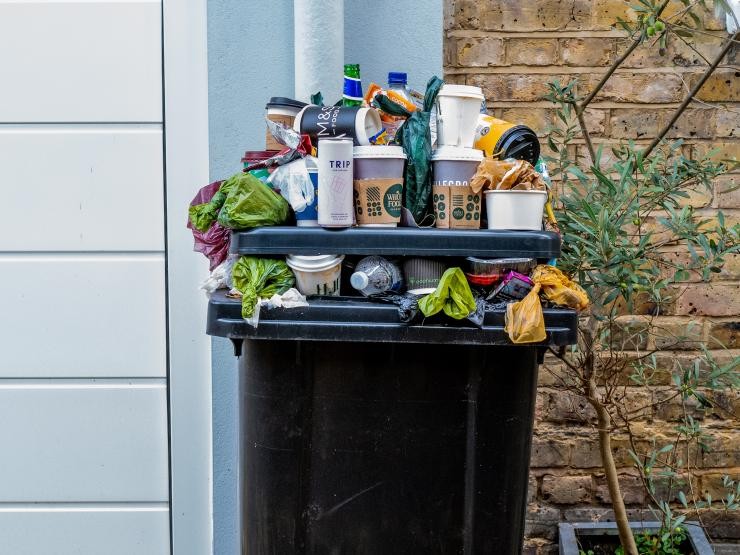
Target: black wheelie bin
column 364, row 435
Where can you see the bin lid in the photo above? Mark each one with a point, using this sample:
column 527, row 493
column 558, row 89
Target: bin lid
column 397, row 241
column 356, row 319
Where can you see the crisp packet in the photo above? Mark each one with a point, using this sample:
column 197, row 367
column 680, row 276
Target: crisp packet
column 514, row 287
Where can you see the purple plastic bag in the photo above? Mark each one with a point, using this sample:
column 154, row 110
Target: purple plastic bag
column 214, row 243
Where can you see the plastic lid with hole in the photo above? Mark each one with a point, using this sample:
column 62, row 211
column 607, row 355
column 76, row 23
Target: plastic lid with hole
column 312, row 263
column 378, row 151
column 457, row 154
column 461, row 90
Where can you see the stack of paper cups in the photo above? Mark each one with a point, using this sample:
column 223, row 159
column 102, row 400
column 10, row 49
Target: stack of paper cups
column 336, row 208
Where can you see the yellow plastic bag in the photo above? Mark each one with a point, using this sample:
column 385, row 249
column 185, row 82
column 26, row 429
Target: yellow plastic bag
column 525, row 322
column 559, row 288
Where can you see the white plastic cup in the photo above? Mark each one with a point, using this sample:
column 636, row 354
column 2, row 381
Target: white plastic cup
column 317, row 275
column 515, row 209
column 457, row 109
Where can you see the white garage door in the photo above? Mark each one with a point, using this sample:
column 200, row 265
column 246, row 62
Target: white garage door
column 83, row 342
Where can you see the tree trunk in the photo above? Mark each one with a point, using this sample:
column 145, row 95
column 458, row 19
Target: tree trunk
column 610, row 470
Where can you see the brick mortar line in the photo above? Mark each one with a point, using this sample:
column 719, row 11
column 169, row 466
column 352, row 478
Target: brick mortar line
column 606, row 105
column 567, row 469
column 480, row 33
column 554, row 69
column 688, row 140
column 565, row 34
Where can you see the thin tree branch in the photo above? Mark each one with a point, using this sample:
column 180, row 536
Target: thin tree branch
column 618, row 62
column 691, row 95
column 586, row 136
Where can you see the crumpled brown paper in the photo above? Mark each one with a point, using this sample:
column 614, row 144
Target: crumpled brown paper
column 503, row 175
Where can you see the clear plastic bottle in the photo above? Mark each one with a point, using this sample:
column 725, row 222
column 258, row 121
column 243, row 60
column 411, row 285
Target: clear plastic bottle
column 397, row 82
column 374, row 275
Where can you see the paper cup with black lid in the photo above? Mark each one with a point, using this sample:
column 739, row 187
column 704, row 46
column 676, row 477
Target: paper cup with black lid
column 281, row 110
column 378, row 185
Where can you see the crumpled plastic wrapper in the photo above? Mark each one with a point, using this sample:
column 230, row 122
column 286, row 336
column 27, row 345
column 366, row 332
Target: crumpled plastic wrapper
column 220, row 277
column 283, row 134
column 505, row 175
column 294, row 184
column 296, row 146
column 292, row 298
column 407, row 304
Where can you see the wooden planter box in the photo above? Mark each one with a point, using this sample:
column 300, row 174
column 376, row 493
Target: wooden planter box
column 569, row 532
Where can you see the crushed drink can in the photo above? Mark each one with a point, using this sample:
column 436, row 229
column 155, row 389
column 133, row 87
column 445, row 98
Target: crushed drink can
column 336, row 206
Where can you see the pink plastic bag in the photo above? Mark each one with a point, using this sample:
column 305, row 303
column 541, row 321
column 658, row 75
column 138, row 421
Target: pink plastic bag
column 213, row 243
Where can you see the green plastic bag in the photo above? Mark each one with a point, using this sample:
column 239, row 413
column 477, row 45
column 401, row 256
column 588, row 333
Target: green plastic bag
column 243, row 201
column 416, row 140
column 260, row 278
column 203, row 215
column 251, row 203
column 453, row 296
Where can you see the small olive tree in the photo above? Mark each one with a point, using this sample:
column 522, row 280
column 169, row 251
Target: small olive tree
column 618, row 220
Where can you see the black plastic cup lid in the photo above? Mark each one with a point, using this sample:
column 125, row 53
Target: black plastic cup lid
column 277, row 101
column 521, row 142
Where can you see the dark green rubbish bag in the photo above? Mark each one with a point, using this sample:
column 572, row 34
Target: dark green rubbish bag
column 414, row 137
column 453, row 296
column 242, row 202
column 260, row 278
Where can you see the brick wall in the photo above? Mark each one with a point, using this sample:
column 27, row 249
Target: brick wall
column 512, row 49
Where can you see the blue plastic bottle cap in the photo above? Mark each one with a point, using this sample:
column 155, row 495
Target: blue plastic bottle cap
column 396, row 77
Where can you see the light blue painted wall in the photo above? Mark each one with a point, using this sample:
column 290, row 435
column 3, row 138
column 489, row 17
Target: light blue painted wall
column 250, row 58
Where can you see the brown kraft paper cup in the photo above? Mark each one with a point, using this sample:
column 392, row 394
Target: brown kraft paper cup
column 270, row 142
column 456, row 207
column 378, row 201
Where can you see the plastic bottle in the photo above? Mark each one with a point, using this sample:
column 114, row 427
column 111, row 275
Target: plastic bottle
column 352, row 95
column 397, row 81
column 375, row 274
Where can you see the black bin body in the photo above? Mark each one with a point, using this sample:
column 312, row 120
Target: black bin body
column 362, row 448
column 364, row 435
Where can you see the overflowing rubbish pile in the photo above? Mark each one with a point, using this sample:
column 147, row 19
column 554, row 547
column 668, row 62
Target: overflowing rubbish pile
column 387, row 158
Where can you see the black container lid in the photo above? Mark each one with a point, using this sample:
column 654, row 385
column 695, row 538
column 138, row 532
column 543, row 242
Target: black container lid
column 520, row 142
column 398, row 241
column 361, row 320
column 281, row 101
